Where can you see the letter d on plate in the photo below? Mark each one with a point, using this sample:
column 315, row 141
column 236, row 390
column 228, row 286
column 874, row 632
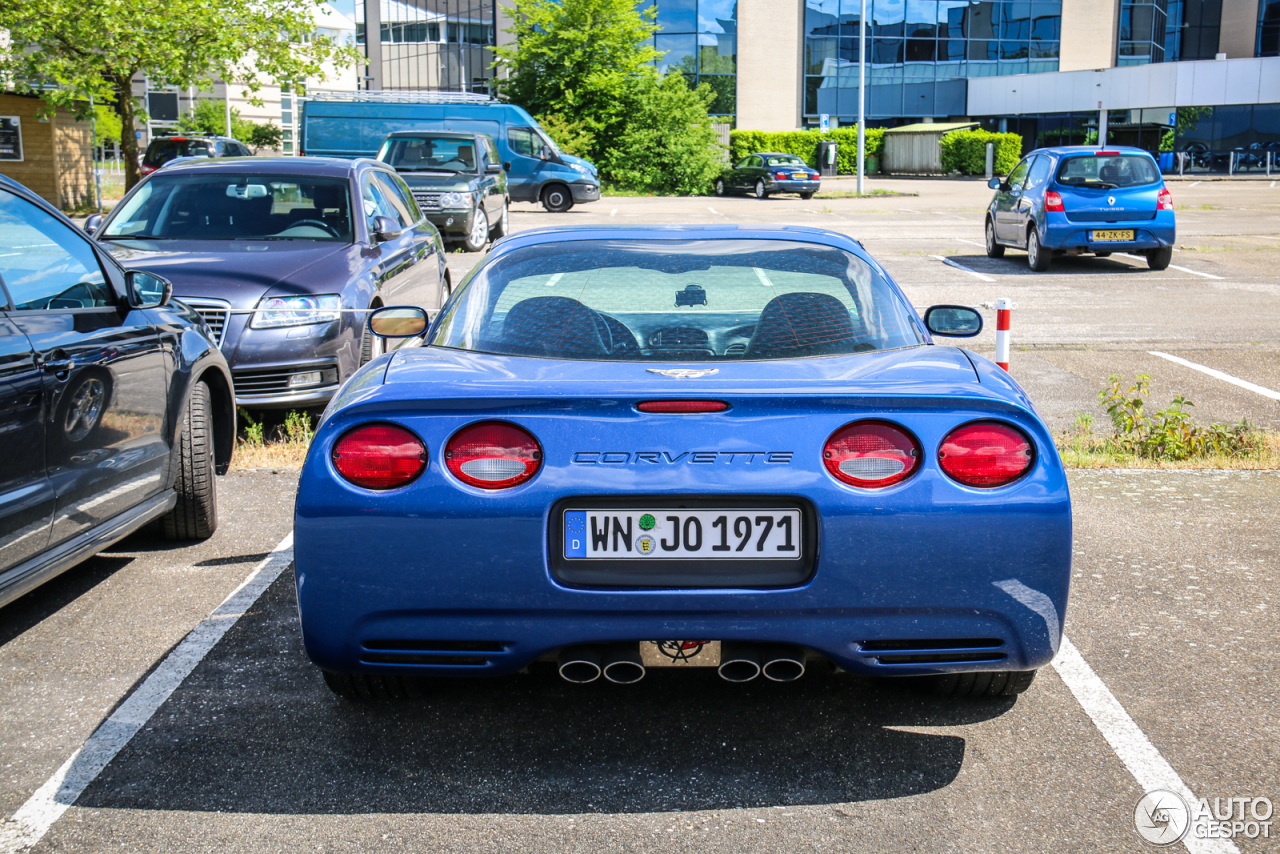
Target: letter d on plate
column 575, row 533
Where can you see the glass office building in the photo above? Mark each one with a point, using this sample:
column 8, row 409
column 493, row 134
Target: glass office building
column 920, row 53
column 434, row 45
column 699, row 38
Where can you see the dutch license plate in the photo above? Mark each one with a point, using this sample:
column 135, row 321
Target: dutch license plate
column 738, row 534
column 1103, row 236
column 799, row 176
column 687, row 653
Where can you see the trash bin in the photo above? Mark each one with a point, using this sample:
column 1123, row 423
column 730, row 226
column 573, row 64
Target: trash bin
column 826, row 158
column 872, row 164
column 1166, row 162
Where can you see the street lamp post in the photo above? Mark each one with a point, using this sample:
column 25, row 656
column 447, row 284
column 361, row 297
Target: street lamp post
column 862, row 96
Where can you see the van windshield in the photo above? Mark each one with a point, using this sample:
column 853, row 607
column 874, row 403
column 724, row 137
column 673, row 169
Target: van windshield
column 447, row 155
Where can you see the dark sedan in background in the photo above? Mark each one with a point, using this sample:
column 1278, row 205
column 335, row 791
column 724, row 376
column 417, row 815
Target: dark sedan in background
column 768, row 173
column 458, row 179
column 115, row 405
column 283, row 257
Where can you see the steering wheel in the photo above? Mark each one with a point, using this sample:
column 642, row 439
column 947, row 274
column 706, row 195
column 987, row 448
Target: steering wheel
column 316, row 222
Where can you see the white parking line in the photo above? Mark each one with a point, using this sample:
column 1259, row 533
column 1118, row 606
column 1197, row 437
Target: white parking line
column 1135, row 750
column 951, row 263
column 34, row 818
column 1193, row 272
column 716, row 212
column 1257, row 389
column 613, row 212
column 972, row 242
column 1193, row 183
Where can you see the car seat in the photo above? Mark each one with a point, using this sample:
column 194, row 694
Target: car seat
column 554, row 327
column 803, row 324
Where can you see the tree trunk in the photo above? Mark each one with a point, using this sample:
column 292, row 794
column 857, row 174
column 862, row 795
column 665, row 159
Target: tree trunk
column 128, row 133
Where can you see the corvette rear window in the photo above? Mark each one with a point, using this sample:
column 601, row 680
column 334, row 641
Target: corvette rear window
column 666, row 300
column 1108, row 171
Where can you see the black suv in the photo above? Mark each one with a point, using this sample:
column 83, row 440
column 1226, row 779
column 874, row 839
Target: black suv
column 165, row 148
column 458, row 179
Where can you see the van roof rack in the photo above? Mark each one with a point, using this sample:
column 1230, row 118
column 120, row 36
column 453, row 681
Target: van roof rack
column 403, row 97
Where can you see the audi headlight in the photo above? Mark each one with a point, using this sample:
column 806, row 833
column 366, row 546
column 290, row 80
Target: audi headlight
column 455, row 200
column 273, row 312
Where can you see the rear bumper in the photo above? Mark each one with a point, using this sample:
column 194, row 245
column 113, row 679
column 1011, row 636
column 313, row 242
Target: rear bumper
column 793, row 186
column 1059, row 233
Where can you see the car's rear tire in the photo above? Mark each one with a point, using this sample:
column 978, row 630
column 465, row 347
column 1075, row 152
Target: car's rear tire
column 1037, row 256
column 195, row 516
column 1159, row 259
column 557, row 198
column 374, row 686
column 478, row 237
column 994, row 249
column 806, row 196
column 996, row 683
column 759, row 191
column 719, row 186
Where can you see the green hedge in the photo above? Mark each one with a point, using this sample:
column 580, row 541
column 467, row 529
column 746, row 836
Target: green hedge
column 804, row 144
column 965, row 151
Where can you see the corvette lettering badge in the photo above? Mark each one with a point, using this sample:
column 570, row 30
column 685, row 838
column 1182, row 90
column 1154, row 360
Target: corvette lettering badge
column 684, row 373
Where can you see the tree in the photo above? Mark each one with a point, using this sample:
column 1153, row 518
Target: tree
column 669, row 144
column 585, row 68
column 577, row 59
column 96, row 48
column 210, row 116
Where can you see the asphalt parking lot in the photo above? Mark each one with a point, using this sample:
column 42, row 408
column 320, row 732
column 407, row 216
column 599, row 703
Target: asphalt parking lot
column 1173, row 621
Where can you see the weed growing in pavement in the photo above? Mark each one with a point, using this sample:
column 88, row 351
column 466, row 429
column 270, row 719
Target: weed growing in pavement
column 1168, row 435
column 284, row 444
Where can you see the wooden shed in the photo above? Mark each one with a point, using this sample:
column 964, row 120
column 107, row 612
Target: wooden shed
column 52, row 157
column 913, row 149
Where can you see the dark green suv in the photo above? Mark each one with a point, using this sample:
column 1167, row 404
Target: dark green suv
column 459, row 180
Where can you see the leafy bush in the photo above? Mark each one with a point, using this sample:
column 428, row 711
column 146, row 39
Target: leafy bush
column 965, row 151
column 804, row 144
column 1166, row 434
column 668, row 144
column 210, row 116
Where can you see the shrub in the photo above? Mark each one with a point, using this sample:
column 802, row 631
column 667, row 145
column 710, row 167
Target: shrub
column 965, row 151
column 804, row 144
column 1171, row 433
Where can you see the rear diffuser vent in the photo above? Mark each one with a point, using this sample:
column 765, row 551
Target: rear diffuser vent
column 439, row 653
column 934, row 650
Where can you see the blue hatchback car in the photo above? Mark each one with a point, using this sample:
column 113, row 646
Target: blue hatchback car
column 584, row 467
column 1081, row 199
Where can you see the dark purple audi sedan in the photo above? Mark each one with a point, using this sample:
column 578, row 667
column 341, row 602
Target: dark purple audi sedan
column 283, row 257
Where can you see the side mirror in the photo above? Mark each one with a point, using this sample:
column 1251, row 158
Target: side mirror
column 506, row 166
column 995, row 184
column 147, row 290
column 386, row 228
column 493, row 169
column 93, row 223
column 953, row 321
column 398, row 321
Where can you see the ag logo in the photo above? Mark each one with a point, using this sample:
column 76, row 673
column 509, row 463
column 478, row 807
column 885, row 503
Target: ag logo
column 681, row 650
column 1162, row 817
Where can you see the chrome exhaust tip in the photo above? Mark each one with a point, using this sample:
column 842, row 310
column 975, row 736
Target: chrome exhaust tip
column 579, row 664
column 784, row 664
column 623, row 666
column 739, row 662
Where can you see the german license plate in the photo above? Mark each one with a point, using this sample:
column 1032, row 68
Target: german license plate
column 737, row 534
column 1103, row 236
column 680, row 653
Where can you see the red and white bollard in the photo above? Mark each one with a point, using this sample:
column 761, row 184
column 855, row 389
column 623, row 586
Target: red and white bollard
column 1003, row 307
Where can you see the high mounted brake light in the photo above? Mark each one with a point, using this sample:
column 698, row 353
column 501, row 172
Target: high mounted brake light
column 682, row 406
column 1110, row 152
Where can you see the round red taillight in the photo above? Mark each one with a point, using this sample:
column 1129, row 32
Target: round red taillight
column 985, row 454
column 493, row 455
column 380, row 456
column 871, row 454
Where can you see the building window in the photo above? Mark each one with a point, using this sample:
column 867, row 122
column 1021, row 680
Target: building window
column 1143, row 30
column 1268, row 28
column 699, row 39
column 1192, row 30
column 919, row 52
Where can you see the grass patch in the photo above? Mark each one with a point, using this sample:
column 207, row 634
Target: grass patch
column 269, row 442
column 1163, row 438
column 852, row 194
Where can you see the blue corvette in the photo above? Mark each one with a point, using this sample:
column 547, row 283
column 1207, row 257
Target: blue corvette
column 1081, row 199
column 584, row 466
